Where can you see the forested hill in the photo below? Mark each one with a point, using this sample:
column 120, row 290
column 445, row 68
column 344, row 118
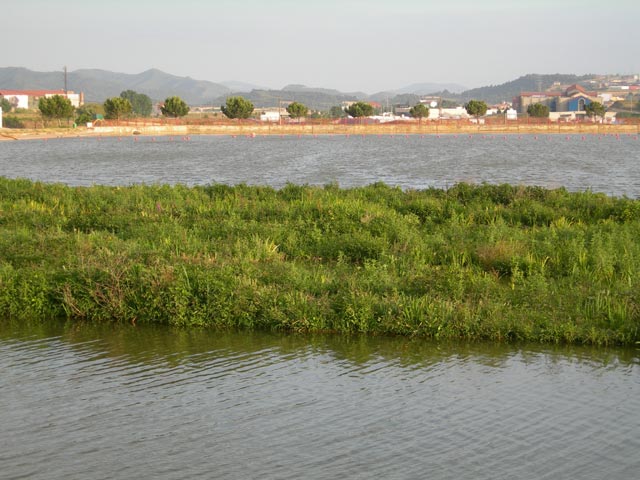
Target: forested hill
column 98, row 85
column 527, row 83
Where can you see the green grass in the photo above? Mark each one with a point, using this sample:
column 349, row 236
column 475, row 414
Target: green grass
column 496, row 263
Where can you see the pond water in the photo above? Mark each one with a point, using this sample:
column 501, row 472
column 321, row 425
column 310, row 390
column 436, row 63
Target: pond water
column 107, row 401
column 609, row 164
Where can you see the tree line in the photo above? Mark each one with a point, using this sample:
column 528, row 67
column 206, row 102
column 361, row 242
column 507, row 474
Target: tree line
column 131, row 103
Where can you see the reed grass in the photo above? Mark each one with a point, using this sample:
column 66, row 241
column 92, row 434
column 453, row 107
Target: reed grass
column 488, row 262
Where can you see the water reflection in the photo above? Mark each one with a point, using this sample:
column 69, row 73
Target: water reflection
column 118, row 401
column 176, row 346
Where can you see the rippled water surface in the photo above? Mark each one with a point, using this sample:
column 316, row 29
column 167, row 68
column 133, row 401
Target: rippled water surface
column 103, row 402
column 606, row 164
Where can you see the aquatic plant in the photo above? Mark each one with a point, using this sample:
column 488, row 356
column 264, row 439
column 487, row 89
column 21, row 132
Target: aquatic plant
column 488, row 262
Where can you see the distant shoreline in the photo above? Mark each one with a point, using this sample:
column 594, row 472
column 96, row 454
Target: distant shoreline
column 239, row 129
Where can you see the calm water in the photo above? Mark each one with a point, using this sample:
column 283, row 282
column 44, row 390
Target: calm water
column 602, row 163
column 105, row 402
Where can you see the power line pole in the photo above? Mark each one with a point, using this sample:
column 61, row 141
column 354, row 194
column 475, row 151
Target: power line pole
column 65, row 80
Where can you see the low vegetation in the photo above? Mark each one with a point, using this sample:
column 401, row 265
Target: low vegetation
column 11, row 121
column 497, row 263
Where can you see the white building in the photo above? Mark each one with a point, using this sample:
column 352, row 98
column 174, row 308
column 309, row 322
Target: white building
column 273, row 114
column 270, row 116
column 453, row 113
column 29, row 98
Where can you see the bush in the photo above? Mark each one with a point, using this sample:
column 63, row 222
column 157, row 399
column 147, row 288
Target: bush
column 12, row 122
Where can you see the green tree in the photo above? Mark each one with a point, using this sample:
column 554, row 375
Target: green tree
column 538, row 110
column 595, row 109
column 6, row 105
column 297, row 110
column 336, row 112
column 360, row 109
column 57, row 107
column 237, row 107
column 141, row 104
column 174, row 107
column 87, row 112
column 419, row 111
column 476, row 108
column 116, row 108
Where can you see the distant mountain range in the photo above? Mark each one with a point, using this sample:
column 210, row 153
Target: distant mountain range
column 98, row 85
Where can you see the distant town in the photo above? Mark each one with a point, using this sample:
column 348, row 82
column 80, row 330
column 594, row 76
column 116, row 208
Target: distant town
column 615, row 96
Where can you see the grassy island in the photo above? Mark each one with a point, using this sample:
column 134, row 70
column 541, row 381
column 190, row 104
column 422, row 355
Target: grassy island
column 498, row 263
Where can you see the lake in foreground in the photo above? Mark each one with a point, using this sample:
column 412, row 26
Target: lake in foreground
column 101, row 402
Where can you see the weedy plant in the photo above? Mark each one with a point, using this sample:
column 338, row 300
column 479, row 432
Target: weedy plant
column 488, row 262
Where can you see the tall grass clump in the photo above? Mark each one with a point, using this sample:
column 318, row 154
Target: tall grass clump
column 497, row 263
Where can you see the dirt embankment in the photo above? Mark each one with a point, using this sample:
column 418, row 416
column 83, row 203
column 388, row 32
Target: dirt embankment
column 319, row 129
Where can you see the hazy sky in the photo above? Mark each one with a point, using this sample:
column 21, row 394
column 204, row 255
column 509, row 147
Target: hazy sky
column 366, row 45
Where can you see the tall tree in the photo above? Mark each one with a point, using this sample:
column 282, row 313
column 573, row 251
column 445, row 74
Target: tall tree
column 360, row 109
column 476, row 108
column 237, row 107
column 5, row 104
column 538, row 110
column 595, row 109
column 174, row 107
column 419, row 111
column 56, row 106
column 297, row 110
column 141, row 104
column 116, row 108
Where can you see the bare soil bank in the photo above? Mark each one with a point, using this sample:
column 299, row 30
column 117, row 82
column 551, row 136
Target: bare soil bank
column 319, row 129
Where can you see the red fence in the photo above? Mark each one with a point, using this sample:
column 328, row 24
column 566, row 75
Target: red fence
column 497, row 121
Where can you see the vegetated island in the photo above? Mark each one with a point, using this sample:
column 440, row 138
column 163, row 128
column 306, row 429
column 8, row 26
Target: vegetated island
column 496, row 263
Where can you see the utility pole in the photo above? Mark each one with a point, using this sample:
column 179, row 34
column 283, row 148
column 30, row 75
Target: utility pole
column 65, row 80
